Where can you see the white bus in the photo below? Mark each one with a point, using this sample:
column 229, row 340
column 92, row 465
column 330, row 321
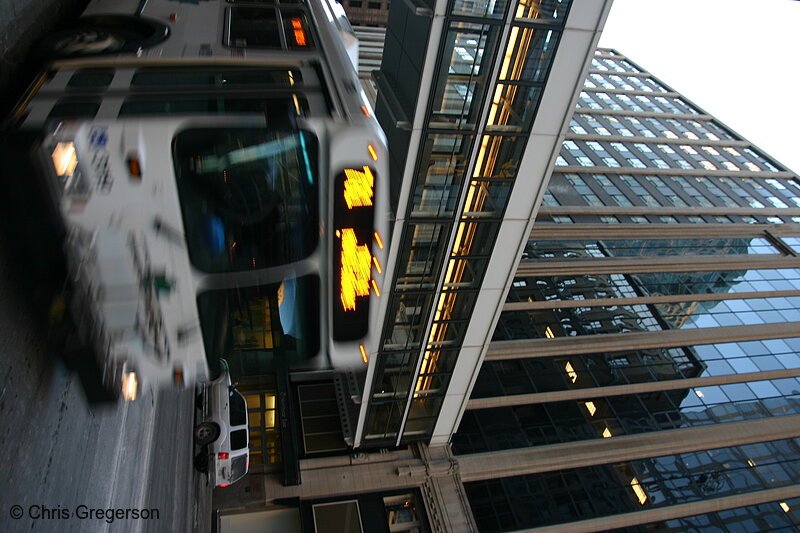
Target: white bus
column 219, row 183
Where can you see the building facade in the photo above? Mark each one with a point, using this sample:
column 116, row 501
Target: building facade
column 644, row 372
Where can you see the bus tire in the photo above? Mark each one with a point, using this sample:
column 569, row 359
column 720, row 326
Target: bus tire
column 205, row 433
column 101, row 34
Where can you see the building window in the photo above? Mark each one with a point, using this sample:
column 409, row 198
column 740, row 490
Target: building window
column 402, row 514
column 319, row 413
column 337, row 517
column 265, row 440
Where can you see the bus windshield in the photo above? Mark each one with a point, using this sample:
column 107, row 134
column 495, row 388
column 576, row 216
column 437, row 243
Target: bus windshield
column 249, row 196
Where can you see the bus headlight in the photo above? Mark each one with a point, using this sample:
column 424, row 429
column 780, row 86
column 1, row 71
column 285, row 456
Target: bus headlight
column 130, row 386
column 64, row 157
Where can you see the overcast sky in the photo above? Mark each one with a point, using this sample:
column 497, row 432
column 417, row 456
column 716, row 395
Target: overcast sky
column 739, row 60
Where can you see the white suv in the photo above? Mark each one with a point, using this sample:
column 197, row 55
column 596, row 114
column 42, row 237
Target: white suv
column 222, row 431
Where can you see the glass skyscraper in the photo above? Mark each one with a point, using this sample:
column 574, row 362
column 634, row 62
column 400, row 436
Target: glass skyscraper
column 644, row 371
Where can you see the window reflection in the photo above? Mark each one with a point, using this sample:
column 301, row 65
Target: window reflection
column 463, row 74
column 441, row 174
column 528, row 54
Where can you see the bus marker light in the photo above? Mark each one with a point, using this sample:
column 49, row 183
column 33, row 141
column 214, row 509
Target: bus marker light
column 365, row 111
column 178, row 375
column 372, row 152
column 378, row 240
column 134, row 168
column 363, row 353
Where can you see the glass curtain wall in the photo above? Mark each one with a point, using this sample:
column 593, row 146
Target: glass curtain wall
column 493, row 54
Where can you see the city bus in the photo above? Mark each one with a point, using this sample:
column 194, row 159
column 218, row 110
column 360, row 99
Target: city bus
column 217, row 184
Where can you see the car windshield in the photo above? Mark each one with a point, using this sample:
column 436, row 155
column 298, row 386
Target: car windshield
column 249, row 196
column 252, row 326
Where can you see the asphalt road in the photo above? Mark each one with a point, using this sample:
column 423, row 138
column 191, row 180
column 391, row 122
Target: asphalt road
column 64, row 457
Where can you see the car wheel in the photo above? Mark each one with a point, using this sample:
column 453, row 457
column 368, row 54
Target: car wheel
column 206, row 433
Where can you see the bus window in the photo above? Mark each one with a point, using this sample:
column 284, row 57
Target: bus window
column 249, row 196
column 215, row 77
column 253, row 27
column 74, row 109
column 262, row 322
column 142, row 105
column 91, row 79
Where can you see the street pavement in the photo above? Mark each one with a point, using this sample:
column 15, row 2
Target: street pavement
column 63, row 458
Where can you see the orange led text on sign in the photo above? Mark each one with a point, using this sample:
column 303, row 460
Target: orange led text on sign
column 299, row 32
column 356, row 270
column 358, row 187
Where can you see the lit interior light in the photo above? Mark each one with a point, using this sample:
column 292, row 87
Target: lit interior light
column 356, row 270
column 130, row 386
column 607, row 433
column 785, row 507
column 590, row 407
column 65, row 159
column 641, row 495
column 358, row 187
column 751, row 462
column 297, row 108
column 573, row 376
column 699, row 393
column 549, row 333
column 363, row 353
column 299, row 32
column 372, row 153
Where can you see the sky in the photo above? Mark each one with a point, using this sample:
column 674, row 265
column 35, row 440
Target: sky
column 739, row 60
